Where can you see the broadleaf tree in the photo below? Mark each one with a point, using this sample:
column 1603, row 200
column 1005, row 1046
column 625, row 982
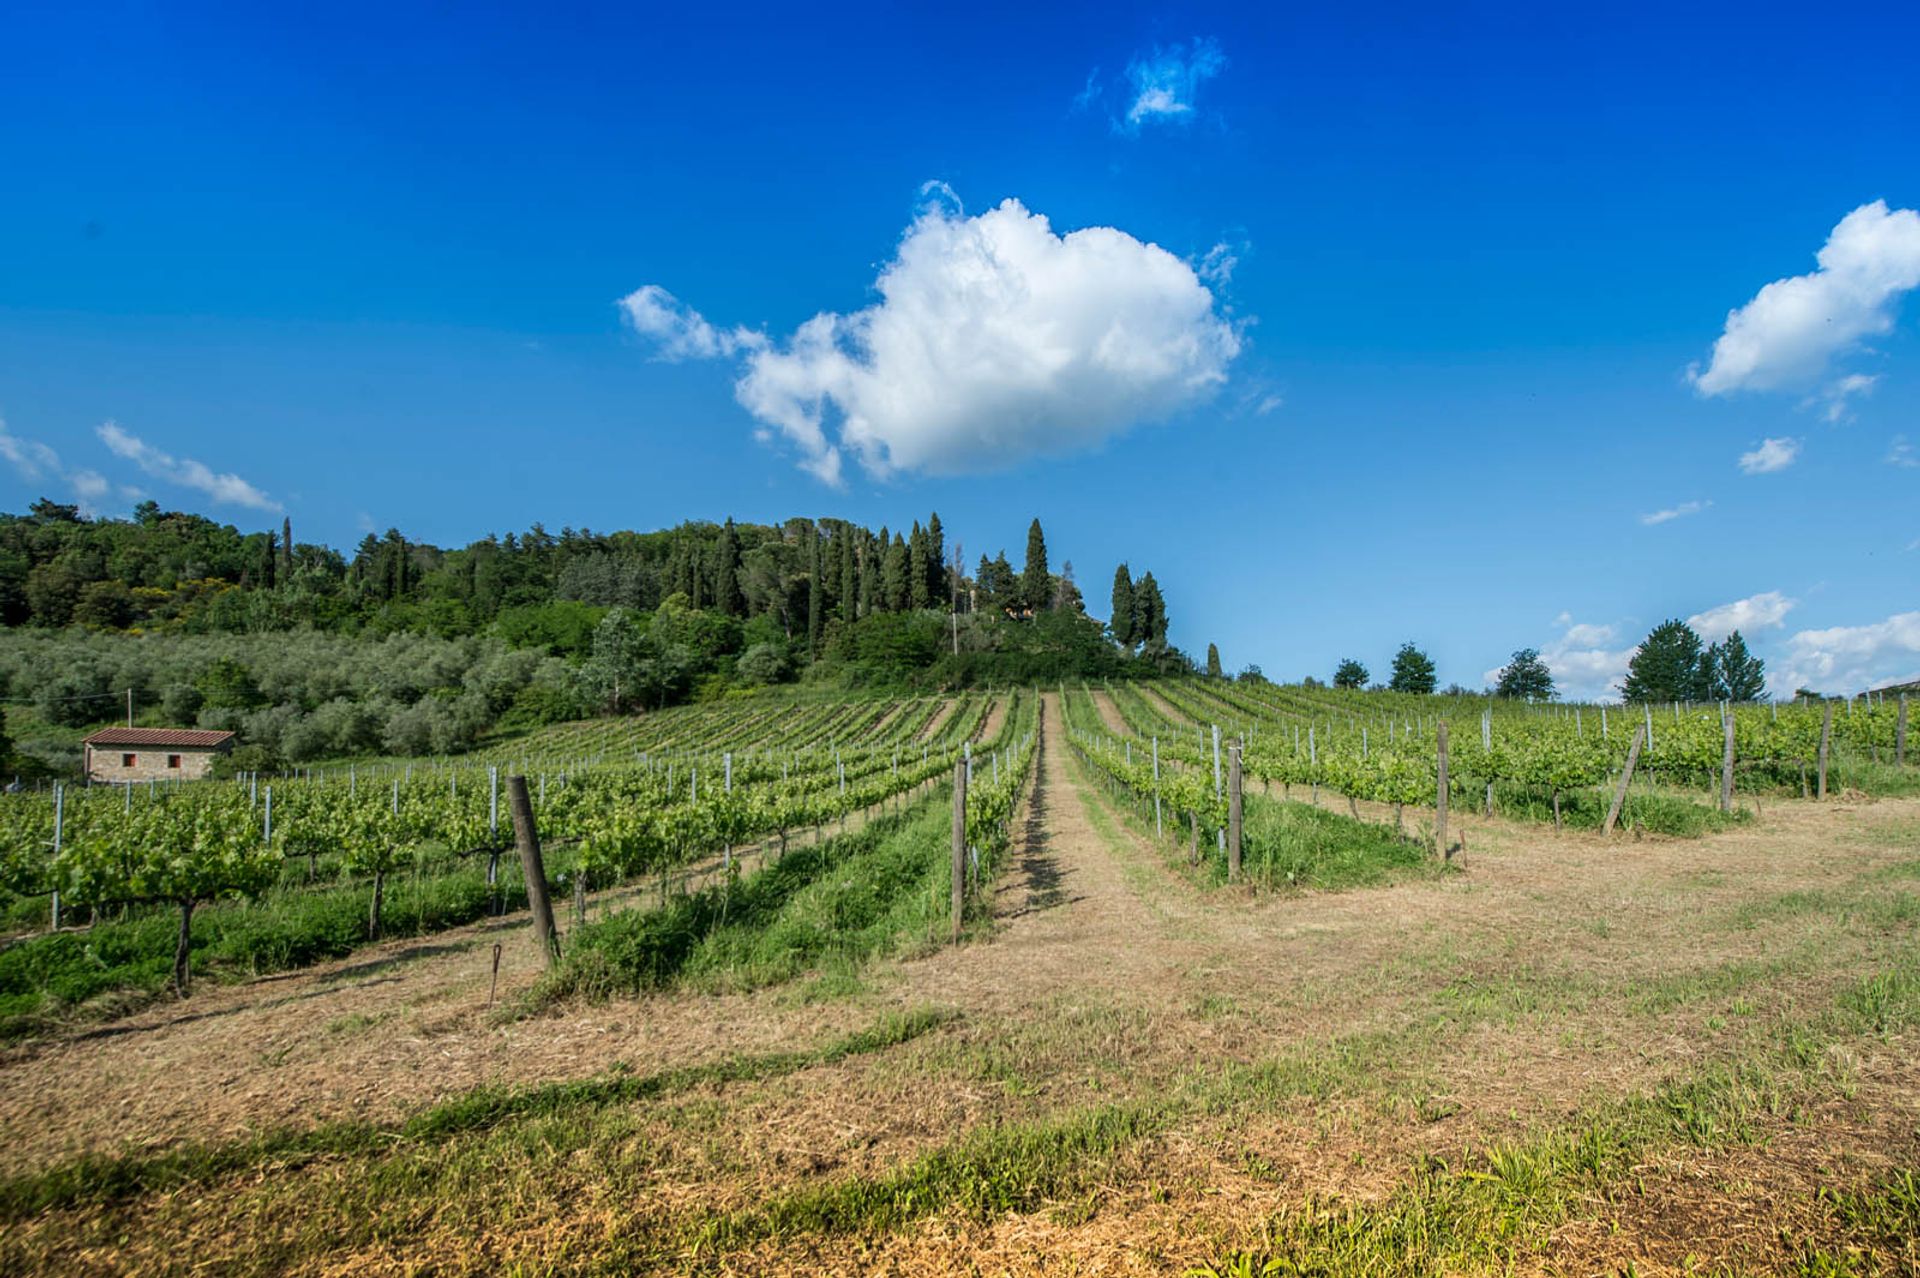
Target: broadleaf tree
column 1526, row 677
column 1413, row 670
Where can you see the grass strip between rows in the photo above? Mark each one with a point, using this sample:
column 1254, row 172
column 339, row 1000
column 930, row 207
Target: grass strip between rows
column 107, row 1178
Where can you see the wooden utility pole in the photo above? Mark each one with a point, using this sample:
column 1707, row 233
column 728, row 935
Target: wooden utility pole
column 1826, row 742
column 959, row 845
column 532, row 868
column 1233, row 813
column 1440, row 797
column 1626, row 779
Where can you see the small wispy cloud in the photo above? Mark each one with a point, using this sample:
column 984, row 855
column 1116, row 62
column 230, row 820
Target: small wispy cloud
column 220, row 487
column 37, row 463
column 30, row 459
column 1837, row 395
column 1672, row 513
column 1772, row 455
column 1161, row 87
column 1900, row 453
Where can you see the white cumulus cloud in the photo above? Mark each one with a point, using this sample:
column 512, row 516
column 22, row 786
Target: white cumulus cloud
column 1772, row 455
column 994, row 339
column 1672, row 513
column 1163, row 86
column 1766, row 611
column 224, row 488
column 1794, row 327
column 1846, row 659
column 1585, row 662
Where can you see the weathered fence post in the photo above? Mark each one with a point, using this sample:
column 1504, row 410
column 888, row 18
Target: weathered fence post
column 1158, row 833
column 1233, row 813
column 1626, row 779
column 1826, row 741
column 1900, row 734
column 59, row 811
column 959, row 844
column 1726, row 759
column 1440, row 797
column 532, row 868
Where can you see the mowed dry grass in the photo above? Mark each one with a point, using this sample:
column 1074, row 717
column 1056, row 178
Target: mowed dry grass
column 1554, row 974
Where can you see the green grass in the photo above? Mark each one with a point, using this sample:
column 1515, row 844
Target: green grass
column 1656, row 812
column 103, row 1179
column 829, row 906
column 1299, row 845
column 48, row 980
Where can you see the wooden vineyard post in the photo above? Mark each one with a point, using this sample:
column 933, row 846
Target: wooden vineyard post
column 1193, row 834
column 532, row 868
column 1726, row 758
column 1626, row 779
column 1826, row 741
column 959, row 845
column 1900, row 735
column 1233, row 813
column 1159, row 833
column 1440, row 796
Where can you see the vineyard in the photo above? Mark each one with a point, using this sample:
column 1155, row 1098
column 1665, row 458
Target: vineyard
column 308, row 862
column 1126, row 972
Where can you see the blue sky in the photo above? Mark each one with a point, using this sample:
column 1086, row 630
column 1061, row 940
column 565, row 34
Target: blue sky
column 1363, row 327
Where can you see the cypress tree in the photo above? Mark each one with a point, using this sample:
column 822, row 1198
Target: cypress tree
column 1213, row 661
column 726, row 572
column 1149, row 613
column 936, row 555
column 1036, row 586
column 918, row 595
column 816, row 595
column 849, row 578
column 1121, row 623
column 893, row 574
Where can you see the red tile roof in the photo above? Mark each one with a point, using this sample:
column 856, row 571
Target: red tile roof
column 186, row 738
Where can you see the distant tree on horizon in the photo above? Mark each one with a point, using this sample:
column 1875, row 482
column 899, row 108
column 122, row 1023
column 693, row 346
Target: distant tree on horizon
column 1350, row 673
column 1413, row 671
column 1213, row 661
column 1526, row 677
column 1669, row 665
column 1735, row 673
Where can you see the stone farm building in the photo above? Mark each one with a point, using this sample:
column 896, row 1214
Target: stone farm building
column 122, row 755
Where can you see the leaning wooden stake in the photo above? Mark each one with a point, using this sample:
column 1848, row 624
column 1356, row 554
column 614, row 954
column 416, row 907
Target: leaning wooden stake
column 959, row 845
column 1826, row 740
column 1626, row 778
column 532, row 868
column 1233, row 813
column 1726, row 759
column 1440, row 796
